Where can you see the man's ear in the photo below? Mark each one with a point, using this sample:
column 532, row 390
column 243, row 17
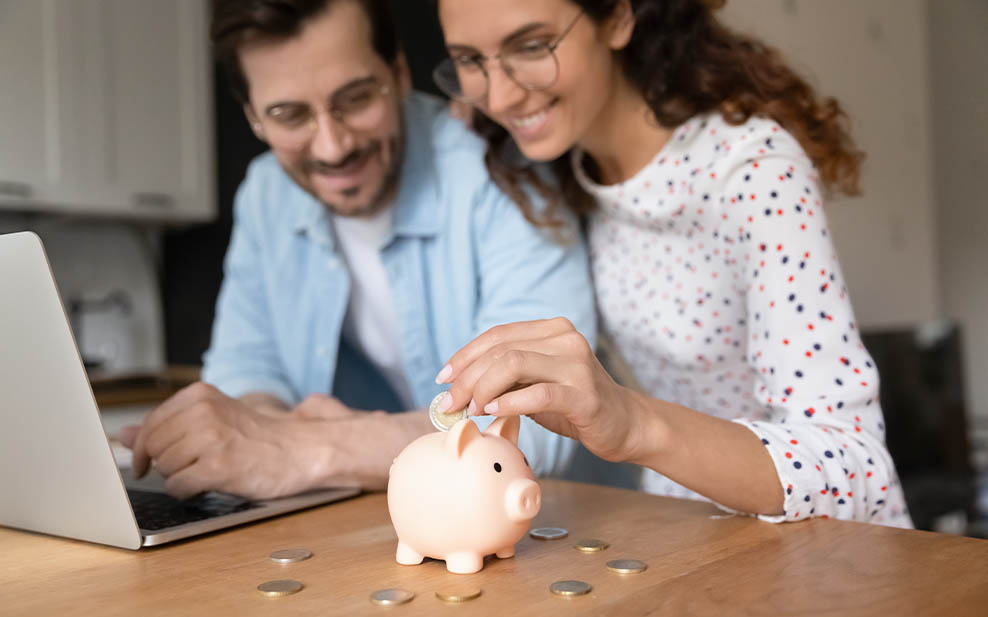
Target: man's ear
column 403, row 75
column 254, row 121
column 620, row 25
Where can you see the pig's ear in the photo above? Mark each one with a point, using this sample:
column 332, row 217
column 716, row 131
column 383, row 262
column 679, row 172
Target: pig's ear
column 462, row 433
column 506, row 427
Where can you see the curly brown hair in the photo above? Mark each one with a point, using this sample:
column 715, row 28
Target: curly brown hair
column 685, row 62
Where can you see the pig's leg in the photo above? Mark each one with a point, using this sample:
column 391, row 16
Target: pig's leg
column 407, row 556
column 464, row 563
column 508, row 551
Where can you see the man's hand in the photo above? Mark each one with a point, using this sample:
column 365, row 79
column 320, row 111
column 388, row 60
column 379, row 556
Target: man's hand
column 201, row 439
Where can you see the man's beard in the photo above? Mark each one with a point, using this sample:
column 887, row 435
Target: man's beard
column 389, row 184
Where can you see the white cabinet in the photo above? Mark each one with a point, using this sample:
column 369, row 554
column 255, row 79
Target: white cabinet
column 106, row 108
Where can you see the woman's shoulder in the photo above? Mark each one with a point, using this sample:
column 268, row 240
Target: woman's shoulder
column 710, row 137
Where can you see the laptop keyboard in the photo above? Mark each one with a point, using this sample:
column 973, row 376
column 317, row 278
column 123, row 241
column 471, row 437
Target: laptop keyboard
column 155, row 511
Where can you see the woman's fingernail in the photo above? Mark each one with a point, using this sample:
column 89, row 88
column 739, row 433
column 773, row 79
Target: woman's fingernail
column 446, row 403
column 444, row 374
column 472, row 408
column 491, row 408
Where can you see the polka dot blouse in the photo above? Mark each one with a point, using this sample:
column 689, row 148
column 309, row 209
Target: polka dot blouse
column 718, row 282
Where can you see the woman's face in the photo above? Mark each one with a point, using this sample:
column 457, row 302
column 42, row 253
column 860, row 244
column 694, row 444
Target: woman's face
column 544, row 123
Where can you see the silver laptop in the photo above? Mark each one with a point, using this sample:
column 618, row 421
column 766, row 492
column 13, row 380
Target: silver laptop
column 57, row 471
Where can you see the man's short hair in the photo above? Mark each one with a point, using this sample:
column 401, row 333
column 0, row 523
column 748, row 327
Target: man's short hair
column 236, row 22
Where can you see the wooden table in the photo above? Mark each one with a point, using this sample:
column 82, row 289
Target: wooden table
column 700, row 563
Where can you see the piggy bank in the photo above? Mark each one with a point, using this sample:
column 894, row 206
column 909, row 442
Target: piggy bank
column 462, row 495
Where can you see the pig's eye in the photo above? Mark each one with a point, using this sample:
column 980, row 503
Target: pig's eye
column 497, row 467
column 525, row 458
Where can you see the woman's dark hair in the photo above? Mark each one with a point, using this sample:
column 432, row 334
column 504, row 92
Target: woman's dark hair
column 236, row 22
column 684, row 62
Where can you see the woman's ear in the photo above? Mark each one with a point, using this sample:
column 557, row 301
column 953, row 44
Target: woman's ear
column 620, row 25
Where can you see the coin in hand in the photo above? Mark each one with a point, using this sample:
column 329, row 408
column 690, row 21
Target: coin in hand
column 444, row 421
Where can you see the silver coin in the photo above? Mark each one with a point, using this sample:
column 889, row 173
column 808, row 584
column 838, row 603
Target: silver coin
column 391, row 597
column 290, row 555
column 548, row 533
column 280, row 588
column 570, row 588
column 444, row 421
column 627, row 566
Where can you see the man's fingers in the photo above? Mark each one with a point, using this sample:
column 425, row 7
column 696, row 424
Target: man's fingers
column 128, row 434
column 507, row 333
column 176, row 403
column 178, row 456
column 190, row 481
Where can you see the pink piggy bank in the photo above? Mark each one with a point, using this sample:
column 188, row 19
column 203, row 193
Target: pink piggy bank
column 461, row 495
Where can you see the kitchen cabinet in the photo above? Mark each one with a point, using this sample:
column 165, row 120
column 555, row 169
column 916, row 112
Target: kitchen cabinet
column 106, row 108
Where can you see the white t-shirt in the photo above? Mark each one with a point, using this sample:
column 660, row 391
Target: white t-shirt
column 717, row 280
column 371, row 323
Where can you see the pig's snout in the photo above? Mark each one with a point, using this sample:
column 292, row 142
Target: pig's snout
column 523, row 500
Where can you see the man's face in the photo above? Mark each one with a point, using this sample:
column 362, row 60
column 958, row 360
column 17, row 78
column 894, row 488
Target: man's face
column 351, row 161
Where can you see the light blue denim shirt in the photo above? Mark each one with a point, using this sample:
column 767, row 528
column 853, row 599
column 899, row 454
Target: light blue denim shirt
column 460, row 259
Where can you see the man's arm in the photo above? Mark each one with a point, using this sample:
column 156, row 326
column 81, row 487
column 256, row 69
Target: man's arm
column 531, row 273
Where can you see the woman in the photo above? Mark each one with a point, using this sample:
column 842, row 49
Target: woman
column 704, row 159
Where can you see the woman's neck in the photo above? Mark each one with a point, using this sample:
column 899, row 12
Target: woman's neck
column 625, row 136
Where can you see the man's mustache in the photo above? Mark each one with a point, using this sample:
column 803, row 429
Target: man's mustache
column 316, row 166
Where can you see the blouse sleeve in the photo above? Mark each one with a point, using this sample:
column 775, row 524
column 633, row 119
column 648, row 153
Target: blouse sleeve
column 824, row 428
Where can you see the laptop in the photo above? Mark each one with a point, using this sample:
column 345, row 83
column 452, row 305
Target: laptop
column 58, row 474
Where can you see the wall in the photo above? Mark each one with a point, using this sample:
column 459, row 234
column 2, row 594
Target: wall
column 90, row 260
column 912, row 75
column 959, row 53
column 872, row 56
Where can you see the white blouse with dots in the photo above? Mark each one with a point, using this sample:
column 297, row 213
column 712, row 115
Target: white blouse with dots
column 718, row 282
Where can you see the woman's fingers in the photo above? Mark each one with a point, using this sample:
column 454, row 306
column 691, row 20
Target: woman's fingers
column 569, row 346
column 500, row 335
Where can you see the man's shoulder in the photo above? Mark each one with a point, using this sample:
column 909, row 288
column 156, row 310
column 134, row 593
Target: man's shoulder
column 454, row 145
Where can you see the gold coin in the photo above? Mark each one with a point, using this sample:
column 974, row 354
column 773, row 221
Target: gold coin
column 282, row 587
column 627, row 566
column 548, row 533
column 570, row 588
column 391, row 597
column 290, row 555
column 590, row 545
column 463, row 594
column 444, row 421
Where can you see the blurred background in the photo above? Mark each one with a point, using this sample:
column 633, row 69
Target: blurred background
column 121, row 146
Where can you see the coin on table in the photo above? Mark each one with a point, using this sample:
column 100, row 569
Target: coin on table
column 284, row 587
column 627, row 566
column 590, row 545
column 548, row 533
column 570, row 588
column 391, row 597
column 444, row 421
column 290, row 555
column 458, row 594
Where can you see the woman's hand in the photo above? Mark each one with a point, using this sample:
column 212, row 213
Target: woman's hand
column 546, row 370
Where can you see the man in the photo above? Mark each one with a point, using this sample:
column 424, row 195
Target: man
column 368, row 246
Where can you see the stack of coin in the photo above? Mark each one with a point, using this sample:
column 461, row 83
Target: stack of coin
column 627, row 566
column 548, row 533
column 391, row 597
column 570, row 588
column 280, row 588
column 444, row 421
column 590, row 545
column 457, row 595
column 290, row 555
